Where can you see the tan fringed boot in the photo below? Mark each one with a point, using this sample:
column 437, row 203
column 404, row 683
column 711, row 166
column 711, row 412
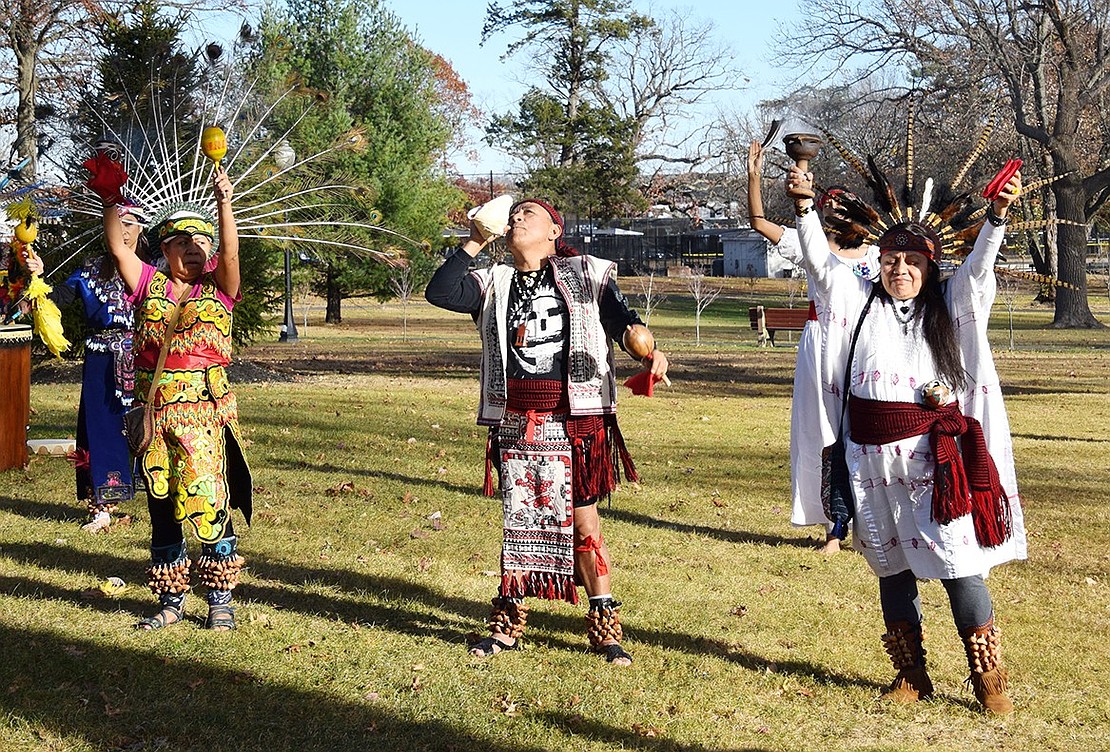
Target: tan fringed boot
column 988, row 678
column 903, row 643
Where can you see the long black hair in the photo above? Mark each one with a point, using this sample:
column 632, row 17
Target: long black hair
column 936, row 323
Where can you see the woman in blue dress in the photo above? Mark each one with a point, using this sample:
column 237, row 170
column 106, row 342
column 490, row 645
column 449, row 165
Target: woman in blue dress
column 102, row 461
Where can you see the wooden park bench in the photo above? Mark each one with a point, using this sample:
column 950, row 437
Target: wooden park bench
column 767, row 321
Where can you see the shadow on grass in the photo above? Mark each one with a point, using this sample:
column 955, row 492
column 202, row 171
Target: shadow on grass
column 1043, row 437
column 369, row 472
column 44, row 510
column 574, row 723
column 356, row 605
column 73, row 689
column 731, row 536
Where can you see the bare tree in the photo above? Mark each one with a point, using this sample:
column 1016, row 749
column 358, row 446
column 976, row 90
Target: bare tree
column 650, row 299
column 703, row 294
column 1052, row 60
column 34, row 29
column 659, row 73
column 52, row 46
column 402, row 280
column 1008, row 289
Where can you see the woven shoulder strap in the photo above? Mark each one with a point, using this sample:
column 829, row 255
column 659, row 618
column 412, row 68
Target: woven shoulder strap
column 851, row 357
column 165, row 351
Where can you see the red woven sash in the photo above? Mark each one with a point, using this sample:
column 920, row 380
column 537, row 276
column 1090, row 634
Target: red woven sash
column 964, row 482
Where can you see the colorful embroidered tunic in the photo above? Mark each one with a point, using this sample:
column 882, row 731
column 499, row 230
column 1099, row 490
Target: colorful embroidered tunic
column 107, row 381
column 195, row 461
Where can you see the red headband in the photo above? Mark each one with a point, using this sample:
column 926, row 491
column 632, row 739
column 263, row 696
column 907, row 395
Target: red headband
column 831, row 194
column 555, row 216
column 910, row 237
column 561, row 248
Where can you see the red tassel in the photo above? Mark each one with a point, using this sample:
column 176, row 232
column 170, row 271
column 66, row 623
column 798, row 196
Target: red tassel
column 621, row 453
column 589, row 545
column 951, row 496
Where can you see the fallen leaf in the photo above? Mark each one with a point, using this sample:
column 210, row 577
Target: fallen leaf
column 418, row 533
column 417, row 684
column 371, row 696
column 739, row 611
column 424, row 564
column 193, row 684
column 73, row 650
column 644, row 730
column 293, row 649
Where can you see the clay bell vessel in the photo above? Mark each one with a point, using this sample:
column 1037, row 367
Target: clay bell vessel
column 801, row 147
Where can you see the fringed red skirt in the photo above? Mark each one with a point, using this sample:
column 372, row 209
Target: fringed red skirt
column 548, row 463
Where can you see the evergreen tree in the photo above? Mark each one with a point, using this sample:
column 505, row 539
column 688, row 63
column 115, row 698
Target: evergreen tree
column 366, row 73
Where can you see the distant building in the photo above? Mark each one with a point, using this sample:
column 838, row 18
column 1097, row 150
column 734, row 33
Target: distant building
column 748, row 254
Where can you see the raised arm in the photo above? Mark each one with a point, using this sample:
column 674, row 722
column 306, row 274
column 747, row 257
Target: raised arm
column 770, row 230
column 129, row 264
column 106, row 179
column 452, row 286
column 982, row 257
column 816, row 255
column 227, row 267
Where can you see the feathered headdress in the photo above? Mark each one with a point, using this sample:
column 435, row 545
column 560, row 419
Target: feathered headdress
column 946, row 211
column 277, row 195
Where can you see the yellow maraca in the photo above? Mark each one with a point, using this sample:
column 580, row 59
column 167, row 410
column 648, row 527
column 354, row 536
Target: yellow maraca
column 27, row 231
column 213, row 143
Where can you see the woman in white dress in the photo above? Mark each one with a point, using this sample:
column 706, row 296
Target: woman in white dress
column 814, row 411
column 928, row 448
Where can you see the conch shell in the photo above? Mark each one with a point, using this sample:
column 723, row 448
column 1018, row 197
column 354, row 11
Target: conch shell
column 492, row 217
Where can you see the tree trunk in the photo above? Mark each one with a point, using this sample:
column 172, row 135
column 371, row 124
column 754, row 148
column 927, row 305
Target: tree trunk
column 26, row 134
column 333, row 313
column 1073, row 311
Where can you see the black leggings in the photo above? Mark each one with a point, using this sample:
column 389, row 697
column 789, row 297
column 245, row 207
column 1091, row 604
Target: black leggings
column 968, row 596
column 164, row 530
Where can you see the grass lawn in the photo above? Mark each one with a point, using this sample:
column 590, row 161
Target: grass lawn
column 356, row 607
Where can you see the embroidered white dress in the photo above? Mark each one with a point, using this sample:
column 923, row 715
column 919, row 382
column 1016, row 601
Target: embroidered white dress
column 893, row 483
column 814, row 412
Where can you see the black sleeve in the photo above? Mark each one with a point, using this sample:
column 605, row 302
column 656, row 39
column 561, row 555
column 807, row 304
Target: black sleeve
column 453, row 288
column 63, row 294
column 615, row 313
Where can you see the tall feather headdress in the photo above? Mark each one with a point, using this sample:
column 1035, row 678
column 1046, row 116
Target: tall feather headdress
column 278, row 195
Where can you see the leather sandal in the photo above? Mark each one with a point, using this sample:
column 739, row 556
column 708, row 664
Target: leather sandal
column 614, row 652
column 220, row 618
column 488, row 647
column 162, row 619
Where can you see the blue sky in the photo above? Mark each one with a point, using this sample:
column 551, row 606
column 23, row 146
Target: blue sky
column 452, row 28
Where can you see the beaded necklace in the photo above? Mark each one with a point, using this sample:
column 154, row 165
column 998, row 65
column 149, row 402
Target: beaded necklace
column 525, row 285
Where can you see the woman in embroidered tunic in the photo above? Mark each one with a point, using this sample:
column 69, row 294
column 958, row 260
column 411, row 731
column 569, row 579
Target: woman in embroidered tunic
column 814, row 412
column 548, row 393
column 922, row 375
column 102, row 461
column 194, row 468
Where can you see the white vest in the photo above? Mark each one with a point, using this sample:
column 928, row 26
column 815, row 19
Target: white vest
column 591, row 381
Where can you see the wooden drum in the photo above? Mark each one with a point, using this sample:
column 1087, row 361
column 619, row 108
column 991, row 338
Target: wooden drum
column 15, row 394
